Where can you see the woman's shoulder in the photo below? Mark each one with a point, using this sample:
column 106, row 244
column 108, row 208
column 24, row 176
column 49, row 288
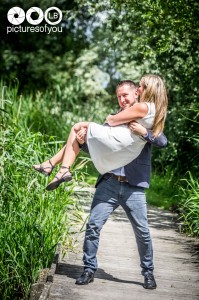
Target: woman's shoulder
column 150, row 107
column 141, row 107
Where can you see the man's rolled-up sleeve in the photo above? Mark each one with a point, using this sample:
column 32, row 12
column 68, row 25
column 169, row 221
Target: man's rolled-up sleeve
column 160, row 141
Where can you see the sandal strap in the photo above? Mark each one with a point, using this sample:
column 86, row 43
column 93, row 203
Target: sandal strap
column 63, row 167
column 61, row 176
column 43, row 168
column 51, row 166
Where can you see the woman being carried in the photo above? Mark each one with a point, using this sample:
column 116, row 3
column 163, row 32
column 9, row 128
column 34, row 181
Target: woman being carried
column 113, row 145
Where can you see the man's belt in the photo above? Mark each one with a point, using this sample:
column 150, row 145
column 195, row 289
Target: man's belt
column 118, row 178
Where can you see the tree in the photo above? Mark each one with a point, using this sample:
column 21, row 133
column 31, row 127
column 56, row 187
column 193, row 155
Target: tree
column 157, row 36
column 33, row 57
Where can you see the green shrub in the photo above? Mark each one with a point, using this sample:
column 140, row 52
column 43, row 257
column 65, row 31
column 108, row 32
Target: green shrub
column 190, row 206
column 163, row 190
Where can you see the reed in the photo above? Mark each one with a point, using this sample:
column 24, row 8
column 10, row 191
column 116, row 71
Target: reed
column 32, row 221
column 190, row 205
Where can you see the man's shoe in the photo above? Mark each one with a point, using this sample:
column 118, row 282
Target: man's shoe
column 85, row 278
column 149, row 282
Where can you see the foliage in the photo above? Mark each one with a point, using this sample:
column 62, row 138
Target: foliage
column 190, row 206
column 71, row 76
column 52, row 115
column 103, row 42
column 32, row 58
column 183, row 141
column 32, row 221
column 155, row 37
column 163, row 190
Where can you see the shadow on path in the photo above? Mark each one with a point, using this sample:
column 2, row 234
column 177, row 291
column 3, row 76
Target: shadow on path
column 74, row 271
column 158, row 218
column 166, row 220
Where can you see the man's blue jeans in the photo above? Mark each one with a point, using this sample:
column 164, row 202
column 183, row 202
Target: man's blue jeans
column 109, row 194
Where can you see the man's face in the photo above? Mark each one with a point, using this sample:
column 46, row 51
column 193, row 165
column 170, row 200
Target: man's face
column 126, row 96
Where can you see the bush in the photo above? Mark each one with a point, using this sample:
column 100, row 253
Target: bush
column 163, row 190
column 190, row 206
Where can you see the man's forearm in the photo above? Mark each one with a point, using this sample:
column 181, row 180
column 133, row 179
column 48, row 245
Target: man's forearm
column 160, row 141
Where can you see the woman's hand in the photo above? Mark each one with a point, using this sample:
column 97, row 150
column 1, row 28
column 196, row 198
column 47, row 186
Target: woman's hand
column 81, row 135
column 107, row 119
column 137, row 128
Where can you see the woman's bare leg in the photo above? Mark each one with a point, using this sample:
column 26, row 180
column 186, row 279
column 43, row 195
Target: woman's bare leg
column 72, row 145
column 70, row 152
column 60, row 156
column 52, row 162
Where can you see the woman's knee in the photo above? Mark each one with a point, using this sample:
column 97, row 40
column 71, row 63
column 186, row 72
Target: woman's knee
column 80, row 125
column 77, row 126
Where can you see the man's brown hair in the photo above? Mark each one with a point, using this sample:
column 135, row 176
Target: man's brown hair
column 131, row 83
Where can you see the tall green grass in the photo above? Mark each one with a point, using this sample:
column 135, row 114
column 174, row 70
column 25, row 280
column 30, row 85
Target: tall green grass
column 32, row 221
column 189, row 193
column 189, row 187
column 163, row 191
column 49, row 114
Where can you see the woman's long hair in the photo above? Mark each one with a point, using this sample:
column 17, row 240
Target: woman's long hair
column 155, row 91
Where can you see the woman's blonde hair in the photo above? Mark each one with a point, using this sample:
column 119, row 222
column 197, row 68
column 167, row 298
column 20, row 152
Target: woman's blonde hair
column 155, row 91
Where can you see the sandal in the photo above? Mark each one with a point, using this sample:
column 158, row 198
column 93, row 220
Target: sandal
column 41, row 169
column 64, row 178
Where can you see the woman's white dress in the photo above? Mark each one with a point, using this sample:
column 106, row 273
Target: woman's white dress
column 114, row 147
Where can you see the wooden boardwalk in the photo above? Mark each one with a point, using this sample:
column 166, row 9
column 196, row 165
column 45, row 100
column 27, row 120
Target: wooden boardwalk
column 118, row 276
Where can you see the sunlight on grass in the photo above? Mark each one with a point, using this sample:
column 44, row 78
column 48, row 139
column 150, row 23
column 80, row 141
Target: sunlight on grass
column 162, row 192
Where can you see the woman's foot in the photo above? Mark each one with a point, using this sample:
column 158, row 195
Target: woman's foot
column 45, row 168
column 64, row 175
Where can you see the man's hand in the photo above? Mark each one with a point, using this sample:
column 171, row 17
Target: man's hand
column 81, row 135
column 137, row 128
